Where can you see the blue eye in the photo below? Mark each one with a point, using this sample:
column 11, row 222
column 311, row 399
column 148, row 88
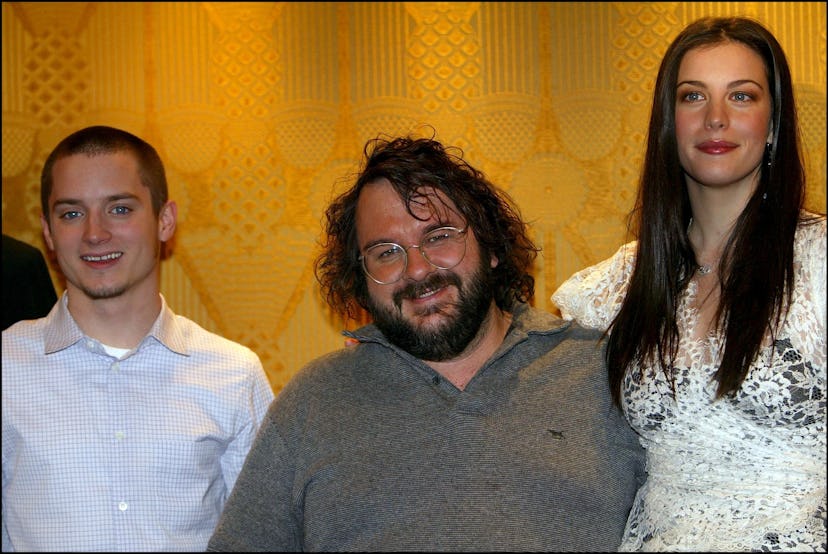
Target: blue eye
column 71, row 214
column 121, row 210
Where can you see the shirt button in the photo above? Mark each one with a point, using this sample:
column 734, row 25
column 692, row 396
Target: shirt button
column 122, row 506
column 119, row 435
column 90, row 344
column 116, row 367
column 435, row 380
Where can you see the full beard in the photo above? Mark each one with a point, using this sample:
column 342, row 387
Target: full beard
column 448, row 338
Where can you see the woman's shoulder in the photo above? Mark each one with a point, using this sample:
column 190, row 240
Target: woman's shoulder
column 810, row 239
column 593, row 295
column 811, row 226
column 619, row 264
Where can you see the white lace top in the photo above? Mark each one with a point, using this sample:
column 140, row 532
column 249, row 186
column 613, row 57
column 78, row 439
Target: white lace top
column 741, row 473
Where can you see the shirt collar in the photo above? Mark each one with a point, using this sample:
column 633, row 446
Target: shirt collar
column 168, row 331
column 62, row 330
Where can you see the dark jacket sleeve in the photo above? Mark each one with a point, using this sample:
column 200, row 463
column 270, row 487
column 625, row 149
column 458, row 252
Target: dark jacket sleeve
column 28, row 292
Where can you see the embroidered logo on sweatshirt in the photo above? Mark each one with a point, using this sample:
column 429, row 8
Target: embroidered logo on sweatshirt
column 556, row 435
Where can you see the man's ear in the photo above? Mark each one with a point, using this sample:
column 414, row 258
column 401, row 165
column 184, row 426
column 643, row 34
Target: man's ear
column 47, row 233
column 167, row 218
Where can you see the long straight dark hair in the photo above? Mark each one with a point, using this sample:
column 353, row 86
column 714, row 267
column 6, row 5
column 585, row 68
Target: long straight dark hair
column 756, row 270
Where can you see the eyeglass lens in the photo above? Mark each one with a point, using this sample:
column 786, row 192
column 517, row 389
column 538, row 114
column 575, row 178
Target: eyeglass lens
column 443, row 248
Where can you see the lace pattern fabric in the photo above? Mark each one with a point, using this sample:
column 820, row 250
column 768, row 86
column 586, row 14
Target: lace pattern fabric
column 740, row 473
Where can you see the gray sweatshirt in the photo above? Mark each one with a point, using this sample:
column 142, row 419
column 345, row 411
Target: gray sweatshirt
column 369, row 449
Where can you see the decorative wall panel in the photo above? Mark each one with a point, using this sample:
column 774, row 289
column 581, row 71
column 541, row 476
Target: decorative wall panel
column 260, row 111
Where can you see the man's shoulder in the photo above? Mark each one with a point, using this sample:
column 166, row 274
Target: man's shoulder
column 199, row 339
column 24, row 356
column 341, row 370
column 26, row 333
column 536, row 320
column 338, row 361
column 564, row 344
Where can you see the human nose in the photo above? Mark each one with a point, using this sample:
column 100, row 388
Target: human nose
column 95, row 230
column 417, row 265
column 716, row 116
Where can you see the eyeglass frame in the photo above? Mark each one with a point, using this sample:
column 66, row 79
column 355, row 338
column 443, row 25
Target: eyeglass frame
column 462, row 232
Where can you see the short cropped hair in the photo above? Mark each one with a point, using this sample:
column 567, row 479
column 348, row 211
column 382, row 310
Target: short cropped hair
column 100, row 139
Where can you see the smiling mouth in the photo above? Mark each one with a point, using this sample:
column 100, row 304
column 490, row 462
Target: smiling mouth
column 426, row 289
column 104, row 258
column 426, row 293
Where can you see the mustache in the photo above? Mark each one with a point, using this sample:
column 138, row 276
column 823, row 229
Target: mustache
column 433, row 282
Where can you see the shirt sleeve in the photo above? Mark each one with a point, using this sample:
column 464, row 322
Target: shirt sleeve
column 7, row 545
column 255, row 403
column 593, row 296
column 260, row 514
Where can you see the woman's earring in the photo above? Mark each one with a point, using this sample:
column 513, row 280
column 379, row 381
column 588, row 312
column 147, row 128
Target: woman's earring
column 768, row 160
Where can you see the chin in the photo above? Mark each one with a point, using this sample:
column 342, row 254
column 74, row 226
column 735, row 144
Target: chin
column 103, row 293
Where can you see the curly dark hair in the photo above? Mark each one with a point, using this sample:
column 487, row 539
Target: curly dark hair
column 410, row 164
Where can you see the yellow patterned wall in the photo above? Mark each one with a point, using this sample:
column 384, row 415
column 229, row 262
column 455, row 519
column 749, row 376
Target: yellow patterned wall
column 260, row 111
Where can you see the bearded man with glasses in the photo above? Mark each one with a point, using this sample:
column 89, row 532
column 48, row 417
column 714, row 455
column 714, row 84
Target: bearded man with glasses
column 461, row 418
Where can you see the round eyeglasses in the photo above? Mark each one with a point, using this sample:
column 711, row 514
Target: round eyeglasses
column 444, row 248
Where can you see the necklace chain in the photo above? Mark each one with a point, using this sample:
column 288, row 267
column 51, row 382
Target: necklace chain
column 702, row 269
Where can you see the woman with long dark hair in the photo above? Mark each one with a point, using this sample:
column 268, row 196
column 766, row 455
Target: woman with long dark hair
column 716, row 314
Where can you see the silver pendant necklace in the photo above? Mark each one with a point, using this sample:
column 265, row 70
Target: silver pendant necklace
column 702, row 269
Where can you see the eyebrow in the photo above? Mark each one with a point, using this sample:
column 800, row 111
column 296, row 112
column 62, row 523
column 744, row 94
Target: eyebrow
column 731, row 84
column 109, row 199
column 426, row 230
